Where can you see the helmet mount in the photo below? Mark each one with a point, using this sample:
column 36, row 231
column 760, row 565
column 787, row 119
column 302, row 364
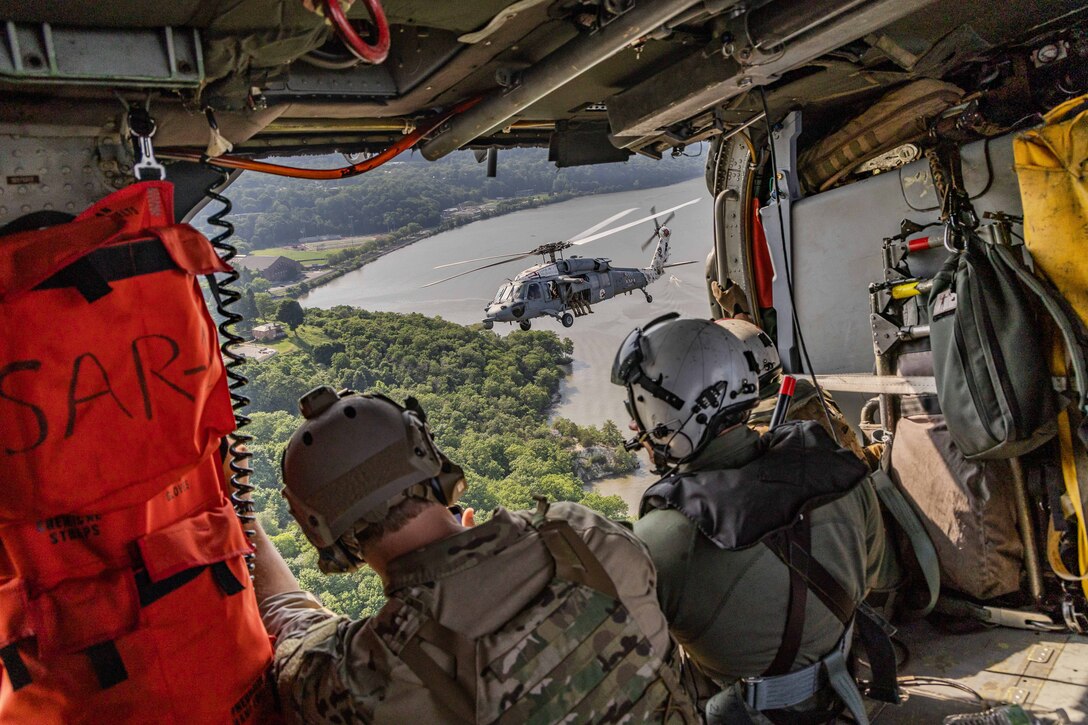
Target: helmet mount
column 354, row 457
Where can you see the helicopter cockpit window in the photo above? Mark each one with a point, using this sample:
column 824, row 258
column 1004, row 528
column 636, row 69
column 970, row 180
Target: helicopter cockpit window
column 505, row 293
column 534, row 292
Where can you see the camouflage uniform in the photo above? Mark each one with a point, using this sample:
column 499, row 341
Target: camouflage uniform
column 486, row 612
column 728, row 607
column 806, row 406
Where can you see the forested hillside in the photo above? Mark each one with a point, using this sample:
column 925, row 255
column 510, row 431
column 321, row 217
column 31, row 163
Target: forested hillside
column 487, row 399
column 270, row 211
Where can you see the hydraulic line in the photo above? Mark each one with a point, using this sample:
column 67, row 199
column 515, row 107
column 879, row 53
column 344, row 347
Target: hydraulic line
column 343, row 172
column 225, row 296
column 364, row 51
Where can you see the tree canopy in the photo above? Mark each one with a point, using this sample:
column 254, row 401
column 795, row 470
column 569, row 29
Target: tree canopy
column 488, row 399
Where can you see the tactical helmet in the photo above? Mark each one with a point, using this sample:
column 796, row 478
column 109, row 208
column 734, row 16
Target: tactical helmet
column 353, row 458
column 686, row 380
column 759, row 343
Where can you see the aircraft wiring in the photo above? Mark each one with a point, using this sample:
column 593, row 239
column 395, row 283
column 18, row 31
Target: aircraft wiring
column 225, row 296
column 245, row 164
column 788, row 264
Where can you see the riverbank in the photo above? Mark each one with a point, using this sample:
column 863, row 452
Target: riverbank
column 392, row 243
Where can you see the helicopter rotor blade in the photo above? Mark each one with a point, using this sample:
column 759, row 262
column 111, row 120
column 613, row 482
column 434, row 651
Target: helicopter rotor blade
column 477, row 269
column 667, row 219
column 681, row 264
column 647, row 242
column 628, row 225
column 601, row 225
column 515, row 255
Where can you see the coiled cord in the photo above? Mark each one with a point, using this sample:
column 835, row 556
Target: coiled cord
column 225, row 296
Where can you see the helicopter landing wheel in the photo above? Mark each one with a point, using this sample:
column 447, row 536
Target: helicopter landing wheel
column 525, row 324
column 567, row 319
column 649, row 298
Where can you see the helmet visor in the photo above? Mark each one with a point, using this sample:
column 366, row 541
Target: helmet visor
column 628, row 358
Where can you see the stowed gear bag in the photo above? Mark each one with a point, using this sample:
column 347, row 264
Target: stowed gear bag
column 988, row 357
column 123, row 589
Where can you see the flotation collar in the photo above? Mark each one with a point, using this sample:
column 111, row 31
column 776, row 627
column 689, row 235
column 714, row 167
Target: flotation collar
column 123, row 588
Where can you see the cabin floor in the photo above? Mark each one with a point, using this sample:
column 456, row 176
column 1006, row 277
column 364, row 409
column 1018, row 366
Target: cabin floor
column 1042, row 671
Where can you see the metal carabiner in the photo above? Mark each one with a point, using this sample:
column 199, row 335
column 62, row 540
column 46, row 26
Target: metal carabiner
column 143, row 127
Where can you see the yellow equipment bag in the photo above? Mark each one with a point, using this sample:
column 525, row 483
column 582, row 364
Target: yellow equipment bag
column 1052, row 165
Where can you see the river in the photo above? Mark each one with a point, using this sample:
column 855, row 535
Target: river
column 394, row 284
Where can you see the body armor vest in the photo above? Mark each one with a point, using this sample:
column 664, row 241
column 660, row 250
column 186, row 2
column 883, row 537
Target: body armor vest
column 123, row 588
column 573, row 654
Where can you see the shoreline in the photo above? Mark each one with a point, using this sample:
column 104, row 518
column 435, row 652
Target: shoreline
column 300, row 290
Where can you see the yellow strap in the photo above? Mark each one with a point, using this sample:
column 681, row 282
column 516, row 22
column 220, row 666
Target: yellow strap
column 1069, row 473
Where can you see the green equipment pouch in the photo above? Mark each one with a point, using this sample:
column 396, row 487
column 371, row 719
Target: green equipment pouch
column 989, row 357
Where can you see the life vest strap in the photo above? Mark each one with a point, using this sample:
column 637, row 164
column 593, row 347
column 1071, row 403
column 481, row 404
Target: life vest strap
column 92, row 273
column 107, row 664
column 18, row 674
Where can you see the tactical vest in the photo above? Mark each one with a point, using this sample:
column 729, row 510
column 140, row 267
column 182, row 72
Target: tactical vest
column 574, row 654
column 123, row 588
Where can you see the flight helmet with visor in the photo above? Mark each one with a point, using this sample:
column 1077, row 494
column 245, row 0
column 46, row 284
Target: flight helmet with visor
column 686, row 381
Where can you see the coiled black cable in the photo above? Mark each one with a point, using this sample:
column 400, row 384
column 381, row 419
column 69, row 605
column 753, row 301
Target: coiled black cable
column 225, row 296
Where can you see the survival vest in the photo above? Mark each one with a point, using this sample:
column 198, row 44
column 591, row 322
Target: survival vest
column 765, row 502
column 573, row 654
column 123, row 589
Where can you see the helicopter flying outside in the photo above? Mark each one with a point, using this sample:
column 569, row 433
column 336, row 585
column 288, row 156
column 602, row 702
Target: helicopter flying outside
column 565, row 288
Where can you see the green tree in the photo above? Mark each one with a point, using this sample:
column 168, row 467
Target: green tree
column 290, row 313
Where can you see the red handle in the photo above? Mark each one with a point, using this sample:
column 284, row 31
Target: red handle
column 376, row 53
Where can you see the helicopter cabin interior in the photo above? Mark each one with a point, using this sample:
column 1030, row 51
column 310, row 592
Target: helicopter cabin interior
column 858, row 144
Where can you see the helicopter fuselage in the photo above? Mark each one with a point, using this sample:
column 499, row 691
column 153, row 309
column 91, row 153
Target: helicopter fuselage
column 558, row 288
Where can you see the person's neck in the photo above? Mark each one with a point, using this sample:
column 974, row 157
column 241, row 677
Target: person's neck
column 432, row 524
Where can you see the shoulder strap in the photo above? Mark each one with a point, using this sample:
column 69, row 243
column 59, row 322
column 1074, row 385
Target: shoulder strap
column 822, row 582
column 920, row 543
column 790, row 645
column 574, row 560
column 457, row 694
column 1073, row 332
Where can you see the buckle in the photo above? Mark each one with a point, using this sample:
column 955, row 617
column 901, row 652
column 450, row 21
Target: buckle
column 752, row 686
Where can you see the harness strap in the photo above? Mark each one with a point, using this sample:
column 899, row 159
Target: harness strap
column 801, row 535
column 920, row 543
column 876, row 638
column 822, row 583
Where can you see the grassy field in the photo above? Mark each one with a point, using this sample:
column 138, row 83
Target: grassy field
column 299, row 255
column 305, row 337
column 312, row 252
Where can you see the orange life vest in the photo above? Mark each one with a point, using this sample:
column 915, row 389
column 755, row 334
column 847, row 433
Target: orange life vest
column 124, row 594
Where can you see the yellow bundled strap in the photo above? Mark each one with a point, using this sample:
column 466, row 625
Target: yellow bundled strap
column 1052, row 166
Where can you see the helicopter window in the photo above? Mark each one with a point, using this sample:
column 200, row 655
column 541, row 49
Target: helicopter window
column 534, row 292
column 504, row 293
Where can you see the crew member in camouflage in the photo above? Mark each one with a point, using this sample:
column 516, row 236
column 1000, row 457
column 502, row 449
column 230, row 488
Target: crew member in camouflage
column 805, row 404
column 539, row 617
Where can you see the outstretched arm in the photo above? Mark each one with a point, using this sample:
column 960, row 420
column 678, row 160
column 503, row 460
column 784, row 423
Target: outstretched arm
column 270, row 573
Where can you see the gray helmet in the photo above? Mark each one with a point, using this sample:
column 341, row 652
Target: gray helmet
column 686, row 380
column 353, row 458
column 759, row 344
